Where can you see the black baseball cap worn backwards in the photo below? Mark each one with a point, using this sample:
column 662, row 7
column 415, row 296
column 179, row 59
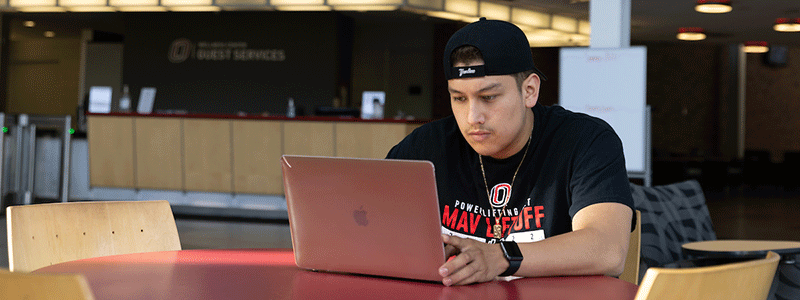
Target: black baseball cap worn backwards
column 504, row 48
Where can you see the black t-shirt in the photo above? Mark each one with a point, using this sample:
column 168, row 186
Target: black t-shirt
column 573, row 161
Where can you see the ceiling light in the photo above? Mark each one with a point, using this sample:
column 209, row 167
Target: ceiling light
column 70, row 3
column 49, row 34
column 451, row 16
column 713, row 6
column 304, row 7
column 297, row 2
column 563, row 23
column 143, row 8
column 756, row 47
column 197, row 8
column 464, row 7
column 91, row 9
column 29, row 23
column 365, row 2
column 530, row 18
column 787, row 25
column 494, row 11
column 691, row 34
column 366, row 7
column 133, row 3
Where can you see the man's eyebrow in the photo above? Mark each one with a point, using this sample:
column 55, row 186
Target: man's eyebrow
column 490, row 87
column 484, row 89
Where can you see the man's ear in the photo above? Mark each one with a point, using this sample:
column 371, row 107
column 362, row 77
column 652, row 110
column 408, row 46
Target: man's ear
column 530, row 90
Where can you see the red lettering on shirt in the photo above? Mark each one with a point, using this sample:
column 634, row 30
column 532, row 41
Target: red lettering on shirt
column 527, row 216
column 489, row 229
column 462, row 222
column 518, row 223
column 473, row 223
column 448, row 219
column 505, row 223
column 539, row 215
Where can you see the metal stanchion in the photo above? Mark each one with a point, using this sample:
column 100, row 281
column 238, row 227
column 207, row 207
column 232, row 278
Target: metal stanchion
column 24, row 172
column 30, row 159
column 22, row 121
column 2, row 160
column 66, row 148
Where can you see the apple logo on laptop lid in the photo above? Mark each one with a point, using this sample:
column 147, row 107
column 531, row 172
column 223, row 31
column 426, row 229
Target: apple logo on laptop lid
column 360, row 215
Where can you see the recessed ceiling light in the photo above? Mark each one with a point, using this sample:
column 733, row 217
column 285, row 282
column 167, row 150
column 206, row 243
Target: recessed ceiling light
column 29, row 23
column 713, row 6
column 49, row 34
column 691, row 34
column 787, row 25
column 756, row 47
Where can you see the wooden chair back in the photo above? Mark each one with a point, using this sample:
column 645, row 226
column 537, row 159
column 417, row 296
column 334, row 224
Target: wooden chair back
column 44, row 234
column 19, row 285
column 631, row 272
column 749, row 280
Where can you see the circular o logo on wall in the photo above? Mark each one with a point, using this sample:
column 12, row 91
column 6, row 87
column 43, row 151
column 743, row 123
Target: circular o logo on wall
column 179, row 50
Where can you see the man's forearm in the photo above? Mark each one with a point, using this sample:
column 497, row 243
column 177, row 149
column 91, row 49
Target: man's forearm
column 597, row 246
column 582, row 252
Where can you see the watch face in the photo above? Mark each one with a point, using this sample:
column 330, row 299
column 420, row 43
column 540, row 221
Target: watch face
column 511, row 250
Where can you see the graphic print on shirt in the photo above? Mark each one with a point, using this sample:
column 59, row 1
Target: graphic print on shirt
column 521, row 224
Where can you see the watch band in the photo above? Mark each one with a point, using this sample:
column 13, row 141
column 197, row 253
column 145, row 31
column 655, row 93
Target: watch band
column 513, row 255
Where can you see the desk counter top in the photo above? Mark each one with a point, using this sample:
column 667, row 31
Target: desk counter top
column 259, row 117
column 272, row 274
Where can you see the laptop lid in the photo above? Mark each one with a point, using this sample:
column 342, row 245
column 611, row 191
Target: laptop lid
column 365, row 216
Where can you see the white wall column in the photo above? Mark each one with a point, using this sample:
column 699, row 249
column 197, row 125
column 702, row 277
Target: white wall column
column 611, row 23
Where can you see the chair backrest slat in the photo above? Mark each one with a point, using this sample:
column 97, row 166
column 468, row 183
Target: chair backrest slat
column 749, row 280
column 44, row 234
column 631, row 271
column 18, row 285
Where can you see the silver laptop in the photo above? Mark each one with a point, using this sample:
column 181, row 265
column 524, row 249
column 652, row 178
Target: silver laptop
column 364, row 216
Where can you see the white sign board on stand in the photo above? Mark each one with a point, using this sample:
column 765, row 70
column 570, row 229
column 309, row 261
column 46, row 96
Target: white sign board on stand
column 610, row 84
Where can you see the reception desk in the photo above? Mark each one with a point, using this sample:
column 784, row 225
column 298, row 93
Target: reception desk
column 221, row 153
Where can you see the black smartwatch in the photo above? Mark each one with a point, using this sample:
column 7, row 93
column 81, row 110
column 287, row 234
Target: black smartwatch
column 513, row 255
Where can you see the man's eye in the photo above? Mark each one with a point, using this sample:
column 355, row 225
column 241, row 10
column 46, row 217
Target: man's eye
column 459, row 99
column 488, row 98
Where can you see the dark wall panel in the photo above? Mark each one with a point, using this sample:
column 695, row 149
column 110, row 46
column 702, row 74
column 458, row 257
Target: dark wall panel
column 233, row 62
column 682, row 91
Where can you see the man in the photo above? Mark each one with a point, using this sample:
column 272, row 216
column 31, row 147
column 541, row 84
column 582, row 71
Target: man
column 524, row 189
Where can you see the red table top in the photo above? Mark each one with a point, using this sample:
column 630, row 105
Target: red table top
column 272, row 274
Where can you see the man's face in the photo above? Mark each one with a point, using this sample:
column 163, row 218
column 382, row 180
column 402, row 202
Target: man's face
column 492, row 114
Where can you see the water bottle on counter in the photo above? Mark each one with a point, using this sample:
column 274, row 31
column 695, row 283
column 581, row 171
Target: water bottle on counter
column 290, row 109
column 125, row 100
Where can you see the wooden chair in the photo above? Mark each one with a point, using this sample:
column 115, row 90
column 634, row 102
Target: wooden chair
column 749, row 280
column 44, row 234
column 631, row 272
column 18, row 285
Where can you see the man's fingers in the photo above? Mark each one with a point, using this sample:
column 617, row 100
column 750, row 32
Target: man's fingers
column 468, row 274
column 450, row 251
column 455, row 264
column 456, row 241
column 468, row 266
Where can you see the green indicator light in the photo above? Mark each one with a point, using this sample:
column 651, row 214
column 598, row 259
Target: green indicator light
column 71, row 131
column 5, row 129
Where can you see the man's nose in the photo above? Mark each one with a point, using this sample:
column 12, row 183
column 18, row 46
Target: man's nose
column 476, row 113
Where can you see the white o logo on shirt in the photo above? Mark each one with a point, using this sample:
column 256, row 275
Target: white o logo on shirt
column 500, row 195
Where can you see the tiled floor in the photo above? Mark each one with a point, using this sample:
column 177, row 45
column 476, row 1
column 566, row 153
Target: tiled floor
column 762, row 215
